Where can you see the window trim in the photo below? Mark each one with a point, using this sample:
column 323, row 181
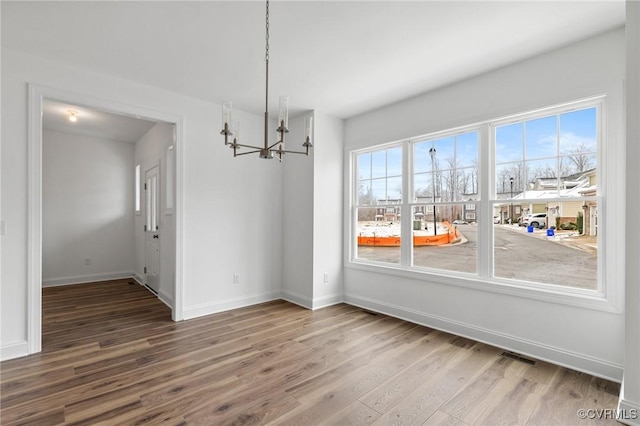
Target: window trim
column 605, row 298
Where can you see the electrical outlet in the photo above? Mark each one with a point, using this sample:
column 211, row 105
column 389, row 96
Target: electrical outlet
column 87, row 261
column 326, row 277
column 236, row 279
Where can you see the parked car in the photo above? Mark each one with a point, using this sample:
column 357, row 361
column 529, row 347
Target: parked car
column 537, row 220
column 460, row 222
column 496, row 219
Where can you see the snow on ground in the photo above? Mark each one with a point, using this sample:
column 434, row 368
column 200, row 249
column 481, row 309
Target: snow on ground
column 392, row 229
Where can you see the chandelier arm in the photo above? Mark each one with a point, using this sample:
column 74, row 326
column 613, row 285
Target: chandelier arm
column 239, row 145
column 296, row 152
column 274, row 144
column 248, row 152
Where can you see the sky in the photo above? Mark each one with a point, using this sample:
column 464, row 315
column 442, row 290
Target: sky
column 531, row 146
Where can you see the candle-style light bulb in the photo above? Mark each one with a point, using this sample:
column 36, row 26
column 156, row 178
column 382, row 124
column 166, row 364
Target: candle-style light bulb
column 235, row 128
column 226, row 114
column 308, row 130
column 283, row 116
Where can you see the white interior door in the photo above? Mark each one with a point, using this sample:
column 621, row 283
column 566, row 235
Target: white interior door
column 152, row 228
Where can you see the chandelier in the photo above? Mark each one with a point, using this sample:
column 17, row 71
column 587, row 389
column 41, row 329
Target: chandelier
column 276, row 150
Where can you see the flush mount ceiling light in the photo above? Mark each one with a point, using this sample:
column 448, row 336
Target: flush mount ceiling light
column 73, row 115
column 276, row 150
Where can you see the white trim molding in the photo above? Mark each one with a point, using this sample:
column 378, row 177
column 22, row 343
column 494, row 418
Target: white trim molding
column 191, row 312
column 628, row 412
column 82, row 279
column 37, row 95
column 297, row 298
column 14, row 350
column 324, row 301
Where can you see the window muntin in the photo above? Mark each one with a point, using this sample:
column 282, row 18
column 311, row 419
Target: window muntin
column 538, row 148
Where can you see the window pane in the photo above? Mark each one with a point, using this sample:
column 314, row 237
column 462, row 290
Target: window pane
column 378, row 164
column 542, row 137
column 577, row 163
column 394, row 189
column 566, row 255
column 379, row 190
column 378, row 233
column 467, row 184
column 364, row 166
column 467, row 150
column 444, row 157
column 504, row 174
column 446, row 241
column 422, row 185
column 365, row 194
column 578, row 132
column 509, row 143
column 394, row 161
column 446, row 167
column 542, row 175
column 137, row 190
column 421, row 158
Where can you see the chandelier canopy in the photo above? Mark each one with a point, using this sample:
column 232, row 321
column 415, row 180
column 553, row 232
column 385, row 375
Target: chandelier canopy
column 231, row 128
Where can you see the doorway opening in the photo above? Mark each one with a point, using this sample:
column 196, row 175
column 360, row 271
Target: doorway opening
column 110, row 213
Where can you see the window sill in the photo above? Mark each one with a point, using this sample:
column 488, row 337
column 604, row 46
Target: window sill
column 589, row 299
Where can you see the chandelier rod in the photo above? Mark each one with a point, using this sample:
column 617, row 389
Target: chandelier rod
column 266, row 90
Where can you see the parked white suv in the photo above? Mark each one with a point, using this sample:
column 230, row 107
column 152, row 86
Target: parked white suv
column 537, row 220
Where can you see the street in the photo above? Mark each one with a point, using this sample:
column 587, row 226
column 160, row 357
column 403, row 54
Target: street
column 518, row 255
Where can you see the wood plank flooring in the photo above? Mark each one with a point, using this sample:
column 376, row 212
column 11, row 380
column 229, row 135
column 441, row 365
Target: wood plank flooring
column 112, row 355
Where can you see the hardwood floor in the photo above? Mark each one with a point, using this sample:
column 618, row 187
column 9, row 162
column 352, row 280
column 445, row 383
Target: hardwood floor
column 112, row 355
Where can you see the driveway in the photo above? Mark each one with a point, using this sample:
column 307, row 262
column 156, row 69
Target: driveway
column 562, row 260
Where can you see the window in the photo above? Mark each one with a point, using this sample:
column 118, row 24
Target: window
column 445, row 181
column 137, row 189
column 379, row 204
column 526, row 215
column 546, row 174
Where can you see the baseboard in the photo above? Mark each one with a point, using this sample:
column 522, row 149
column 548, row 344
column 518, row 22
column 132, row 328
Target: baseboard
column 558, row 356
column 81, row 279
column 225, row 305
column 297, row 298
column 14, row 350
column 628, row 412
column 166, row 299
column 324, row 301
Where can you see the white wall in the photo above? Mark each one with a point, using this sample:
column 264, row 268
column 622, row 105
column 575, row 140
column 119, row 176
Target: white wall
column 232, row 211
column 328, row 210
column 312, row 206
column 151, row 150
column 580, row 337
column 298, row 218
column 87, row 209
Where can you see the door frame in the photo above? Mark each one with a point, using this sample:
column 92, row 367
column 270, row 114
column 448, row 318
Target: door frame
column 37, row 95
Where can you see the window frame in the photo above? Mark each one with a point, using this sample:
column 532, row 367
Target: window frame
column 604, row 298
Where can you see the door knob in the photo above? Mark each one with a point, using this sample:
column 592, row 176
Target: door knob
column 155, row 236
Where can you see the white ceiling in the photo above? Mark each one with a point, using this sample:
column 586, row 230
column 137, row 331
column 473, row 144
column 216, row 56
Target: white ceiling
column 93, row 123
column 342, row 58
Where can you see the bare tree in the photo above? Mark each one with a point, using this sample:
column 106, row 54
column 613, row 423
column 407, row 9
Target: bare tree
column 581, row 156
